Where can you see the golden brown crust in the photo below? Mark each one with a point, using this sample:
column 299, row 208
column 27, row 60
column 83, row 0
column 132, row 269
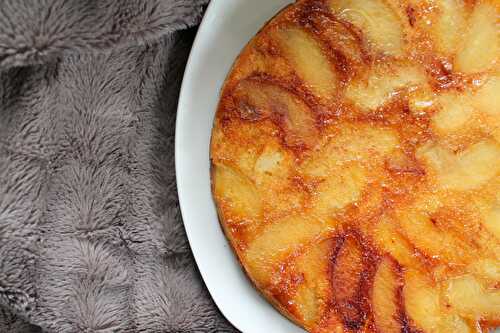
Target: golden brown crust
column 356, row 164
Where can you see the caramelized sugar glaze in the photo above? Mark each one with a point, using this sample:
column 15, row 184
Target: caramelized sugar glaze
column 356, row 164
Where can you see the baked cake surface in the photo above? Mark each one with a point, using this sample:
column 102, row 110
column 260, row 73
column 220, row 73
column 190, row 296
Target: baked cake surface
column 356, row 164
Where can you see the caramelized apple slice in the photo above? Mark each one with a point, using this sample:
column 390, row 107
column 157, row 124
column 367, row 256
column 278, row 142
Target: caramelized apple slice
column 383, row 83
column 361, row 143
column 237, row 192
column 492, row 221
column 450, row 24
column 338, row 36
column 469, row 170
column 308, row 60
column 385, row 297
column 487, row 99
column 314, row 292
column 462, row 225
column 421, row 301
column 273, row 169
column 339, row 189
column 471, row 300
column 495, row 134
column 487, row 269
column 388, row 239
column 376, row 19
column 260, row 100
column 455, row 112
column 429, row 239
column 330, row 323
column 481, row 45
column 423, row 306
column 457, row 324
column 347, row 274
column 276, row 242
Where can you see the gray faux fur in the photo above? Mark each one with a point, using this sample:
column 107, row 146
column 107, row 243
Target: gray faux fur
column 91, row 238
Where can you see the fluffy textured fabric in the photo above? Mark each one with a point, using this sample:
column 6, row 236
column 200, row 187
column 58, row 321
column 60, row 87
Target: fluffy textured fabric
column 91, row 238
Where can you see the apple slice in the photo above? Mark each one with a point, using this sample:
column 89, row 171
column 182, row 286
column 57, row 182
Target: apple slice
column 259, row 100
column 421, row 301
column 376, row 19
column 314, row 292
column 338, row 36
column 468, row 170
column 486, row 269
column 330, row 323
column 487, row 98
column 496, row 134
column 309, row 61
column 386, row 297
column 277, row 241
column 481, row 44
column 387, row 238
column 492, row 221
column 423, row 306
column 471, row 299
column 339, row 190
column 382, row 83
column 237, row 193
column 429, row 239
column 450, row 24
column 455, row 112
column 347, row 275
column 362, row 143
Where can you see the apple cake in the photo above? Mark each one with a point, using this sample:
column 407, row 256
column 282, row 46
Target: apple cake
column 356, row 164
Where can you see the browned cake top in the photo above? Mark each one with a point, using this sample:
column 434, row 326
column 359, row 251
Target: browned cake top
column 356, row 164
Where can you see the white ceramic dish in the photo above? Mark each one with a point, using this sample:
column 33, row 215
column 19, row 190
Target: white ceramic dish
column 226, row 28
column 228, row 25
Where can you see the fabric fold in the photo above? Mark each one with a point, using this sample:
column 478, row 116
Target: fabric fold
column 33, row 31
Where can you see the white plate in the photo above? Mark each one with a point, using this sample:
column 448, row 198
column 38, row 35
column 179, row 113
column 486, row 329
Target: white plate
column 227, row 27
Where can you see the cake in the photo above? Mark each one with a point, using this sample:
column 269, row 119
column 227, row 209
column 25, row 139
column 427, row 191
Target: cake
column 355, row 164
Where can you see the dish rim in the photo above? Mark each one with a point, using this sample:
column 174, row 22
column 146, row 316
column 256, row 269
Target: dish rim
column 183, row 192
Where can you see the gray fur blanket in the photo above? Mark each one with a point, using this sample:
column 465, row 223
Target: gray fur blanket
column 91, row 239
